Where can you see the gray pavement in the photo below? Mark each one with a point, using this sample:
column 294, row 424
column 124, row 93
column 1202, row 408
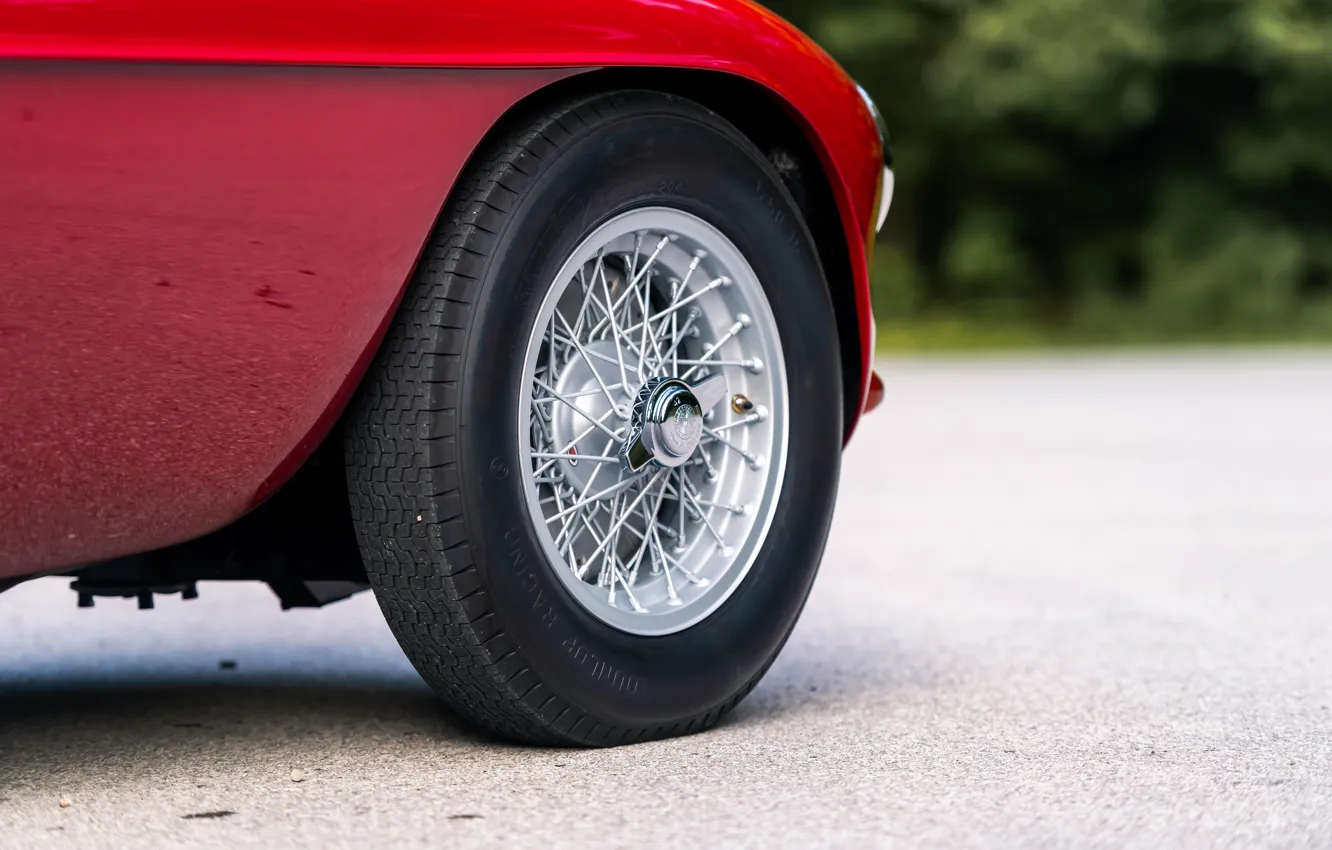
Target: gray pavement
column 1074, row 602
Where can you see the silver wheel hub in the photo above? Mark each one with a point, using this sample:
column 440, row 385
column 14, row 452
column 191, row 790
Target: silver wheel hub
column 581, row 385
column 655, row 421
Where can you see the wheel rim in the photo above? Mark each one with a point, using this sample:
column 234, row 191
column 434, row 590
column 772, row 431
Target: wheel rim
column 605, row 391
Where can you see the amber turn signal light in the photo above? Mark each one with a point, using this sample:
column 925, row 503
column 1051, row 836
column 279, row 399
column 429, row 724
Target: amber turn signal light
column 875, row 394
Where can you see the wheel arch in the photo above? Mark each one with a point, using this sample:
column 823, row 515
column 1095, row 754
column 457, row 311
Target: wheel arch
column 770, row 122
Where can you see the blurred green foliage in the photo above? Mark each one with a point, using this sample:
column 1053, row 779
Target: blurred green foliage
column 1085, row 170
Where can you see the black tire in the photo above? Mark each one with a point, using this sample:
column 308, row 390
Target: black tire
column 432, row 441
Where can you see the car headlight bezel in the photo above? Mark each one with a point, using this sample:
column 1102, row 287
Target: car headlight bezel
column 888, row 178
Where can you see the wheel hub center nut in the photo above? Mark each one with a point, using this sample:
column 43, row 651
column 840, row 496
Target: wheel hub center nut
column 667, row 421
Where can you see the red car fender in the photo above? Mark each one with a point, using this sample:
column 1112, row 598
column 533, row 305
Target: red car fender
column 112, row 494
column 734, row 36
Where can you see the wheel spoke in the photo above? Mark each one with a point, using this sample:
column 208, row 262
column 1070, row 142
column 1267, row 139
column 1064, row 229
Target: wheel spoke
column 685, row 571
column 750, row 458
column 713, row 284
column 591, row 480
column 747, row 419
column 580, row 458
column 647, row 518
column 588, row 360
column 598, row 423
column 714, row 348
column 677, row 338
column 706, row 458
column 615, row 329
column 607, row 359
column 587, row 296
column 563, row 454
column 743, row 364
column 624, row 514
column 609, row 491
column 569, row 396
column 703, row 517
column 681, row 542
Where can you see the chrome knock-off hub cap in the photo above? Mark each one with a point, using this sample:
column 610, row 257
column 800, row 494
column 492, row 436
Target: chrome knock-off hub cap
column 650, row 495
column 668, row 421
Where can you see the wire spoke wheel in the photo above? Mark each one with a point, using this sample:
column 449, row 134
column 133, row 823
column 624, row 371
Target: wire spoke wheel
column 570, row 469
column 654, row 420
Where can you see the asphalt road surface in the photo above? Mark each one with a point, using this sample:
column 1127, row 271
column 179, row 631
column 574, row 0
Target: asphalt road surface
column 1067, row 603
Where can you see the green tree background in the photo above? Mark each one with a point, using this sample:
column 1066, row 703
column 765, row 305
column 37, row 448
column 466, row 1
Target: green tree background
column 1097, row 170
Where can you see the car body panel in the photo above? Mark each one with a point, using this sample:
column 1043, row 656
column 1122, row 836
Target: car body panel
column 193, row 269
column 208, row 212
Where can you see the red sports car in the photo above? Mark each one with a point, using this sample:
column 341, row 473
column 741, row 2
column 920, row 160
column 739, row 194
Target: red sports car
column 547, row 322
